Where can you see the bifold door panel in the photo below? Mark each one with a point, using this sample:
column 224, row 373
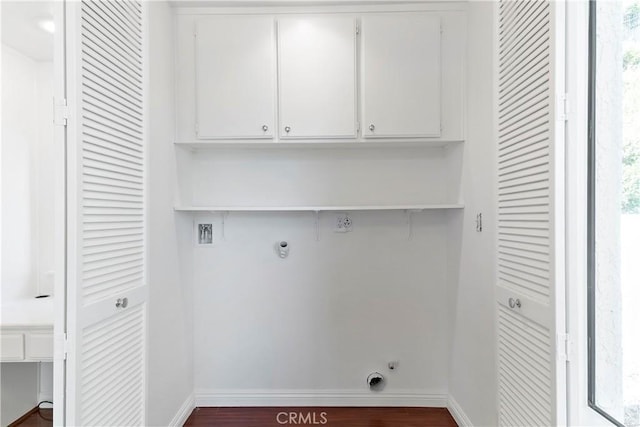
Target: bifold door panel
column 529, row 260
column 106, row 198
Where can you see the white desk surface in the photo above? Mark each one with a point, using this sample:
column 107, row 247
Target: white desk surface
column 27, row 313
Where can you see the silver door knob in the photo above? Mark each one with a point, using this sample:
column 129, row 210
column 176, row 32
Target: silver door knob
column 513, row 303
column 265, row 128
column 372, row 127
column 122, row 302
column 287, row 129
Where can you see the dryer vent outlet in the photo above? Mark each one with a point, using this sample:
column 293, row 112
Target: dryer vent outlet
column 375, row 381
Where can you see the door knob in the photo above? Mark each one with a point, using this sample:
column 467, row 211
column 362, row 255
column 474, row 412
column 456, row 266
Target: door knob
column 287, row 129
column 372, row 127
column 513, row 303
column 122, row 302
column 265, row 128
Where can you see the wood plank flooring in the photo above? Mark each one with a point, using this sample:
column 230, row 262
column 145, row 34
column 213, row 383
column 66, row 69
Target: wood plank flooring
column 330, row 417
column 35, row 418
column 272, row 416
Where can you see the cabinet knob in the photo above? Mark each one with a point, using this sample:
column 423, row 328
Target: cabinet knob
column 265, row 128
column 372, row 127
column 287, row 129
column 513, row 303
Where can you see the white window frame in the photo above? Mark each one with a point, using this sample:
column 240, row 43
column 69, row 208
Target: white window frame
column 577, row 71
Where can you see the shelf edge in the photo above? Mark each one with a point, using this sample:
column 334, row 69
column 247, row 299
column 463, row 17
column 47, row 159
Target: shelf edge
column 392, row 143
column 316, row 208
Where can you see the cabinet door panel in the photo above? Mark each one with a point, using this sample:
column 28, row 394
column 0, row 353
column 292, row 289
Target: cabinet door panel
column 40, row 346
column 11, row 347
column 235, row 75
column 317, row 77
column 401, row 75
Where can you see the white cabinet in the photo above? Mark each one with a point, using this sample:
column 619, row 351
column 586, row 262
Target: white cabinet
column 262, row 78
column 39, row 346
column 401, row 75
column 26, row 343
column 317, row 77
column 11, row 347
column 235, row 77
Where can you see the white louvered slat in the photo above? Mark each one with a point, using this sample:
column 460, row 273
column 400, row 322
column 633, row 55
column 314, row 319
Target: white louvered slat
column 110, row 46
column 526, row 266
column 102, row 139
column 109, row 346
column 524, row 33
column 106, row 367
column 524, row 368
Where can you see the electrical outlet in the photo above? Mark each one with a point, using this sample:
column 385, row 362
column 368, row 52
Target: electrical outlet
column 344, row 223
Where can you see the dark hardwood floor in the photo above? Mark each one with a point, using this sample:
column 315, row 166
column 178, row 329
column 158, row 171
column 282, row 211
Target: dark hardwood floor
column 331, row 417
column 272, row 416
column 35, row 418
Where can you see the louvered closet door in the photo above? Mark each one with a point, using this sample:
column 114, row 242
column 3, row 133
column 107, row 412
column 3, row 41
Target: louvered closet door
column 106, row 199
column 530, row 289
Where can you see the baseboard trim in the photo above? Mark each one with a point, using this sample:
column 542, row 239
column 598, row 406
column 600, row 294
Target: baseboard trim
column 457, row 413
column 183, row 413
column 318, row 398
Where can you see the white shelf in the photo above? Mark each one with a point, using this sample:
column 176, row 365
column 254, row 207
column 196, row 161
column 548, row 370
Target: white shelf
column 373, row 143
column 316, row 208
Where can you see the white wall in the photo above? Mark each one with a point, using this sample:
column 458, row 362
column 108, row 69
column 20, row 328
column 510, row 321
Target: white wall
column 170, row 372
column 472, row 371
column 45, row 171
column 334, row 311
column 23, row 385
column 27, row 202
column 320, row 177
column 18, row 390
column 19, row 139
column 45, row 382
column 27, row 187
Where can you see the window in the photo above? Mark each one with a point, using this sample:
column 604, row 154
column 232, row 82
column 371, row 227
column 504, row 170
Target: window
column 614, row 211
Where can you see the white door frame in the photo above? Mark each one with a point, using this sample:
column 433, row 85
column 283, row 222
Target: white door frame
column 60, row 224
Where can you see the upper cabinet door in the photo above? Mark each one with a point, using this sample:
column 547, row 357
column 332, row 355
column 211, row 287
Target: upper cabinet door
column 235, row 77
column 401, row 75
column 317, row 77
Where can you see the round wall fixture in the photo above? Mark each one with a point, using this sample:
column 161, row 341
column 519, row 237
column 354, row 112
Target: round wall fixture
column 283, row 249
column 375, row 381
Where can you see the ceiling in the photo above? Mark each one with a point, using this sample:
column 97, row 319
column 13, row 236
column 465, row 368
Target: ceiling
column 20, row 28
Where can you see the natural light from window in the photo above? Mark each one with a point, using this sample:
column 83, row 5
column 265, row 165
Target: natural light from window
column 614, row 377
